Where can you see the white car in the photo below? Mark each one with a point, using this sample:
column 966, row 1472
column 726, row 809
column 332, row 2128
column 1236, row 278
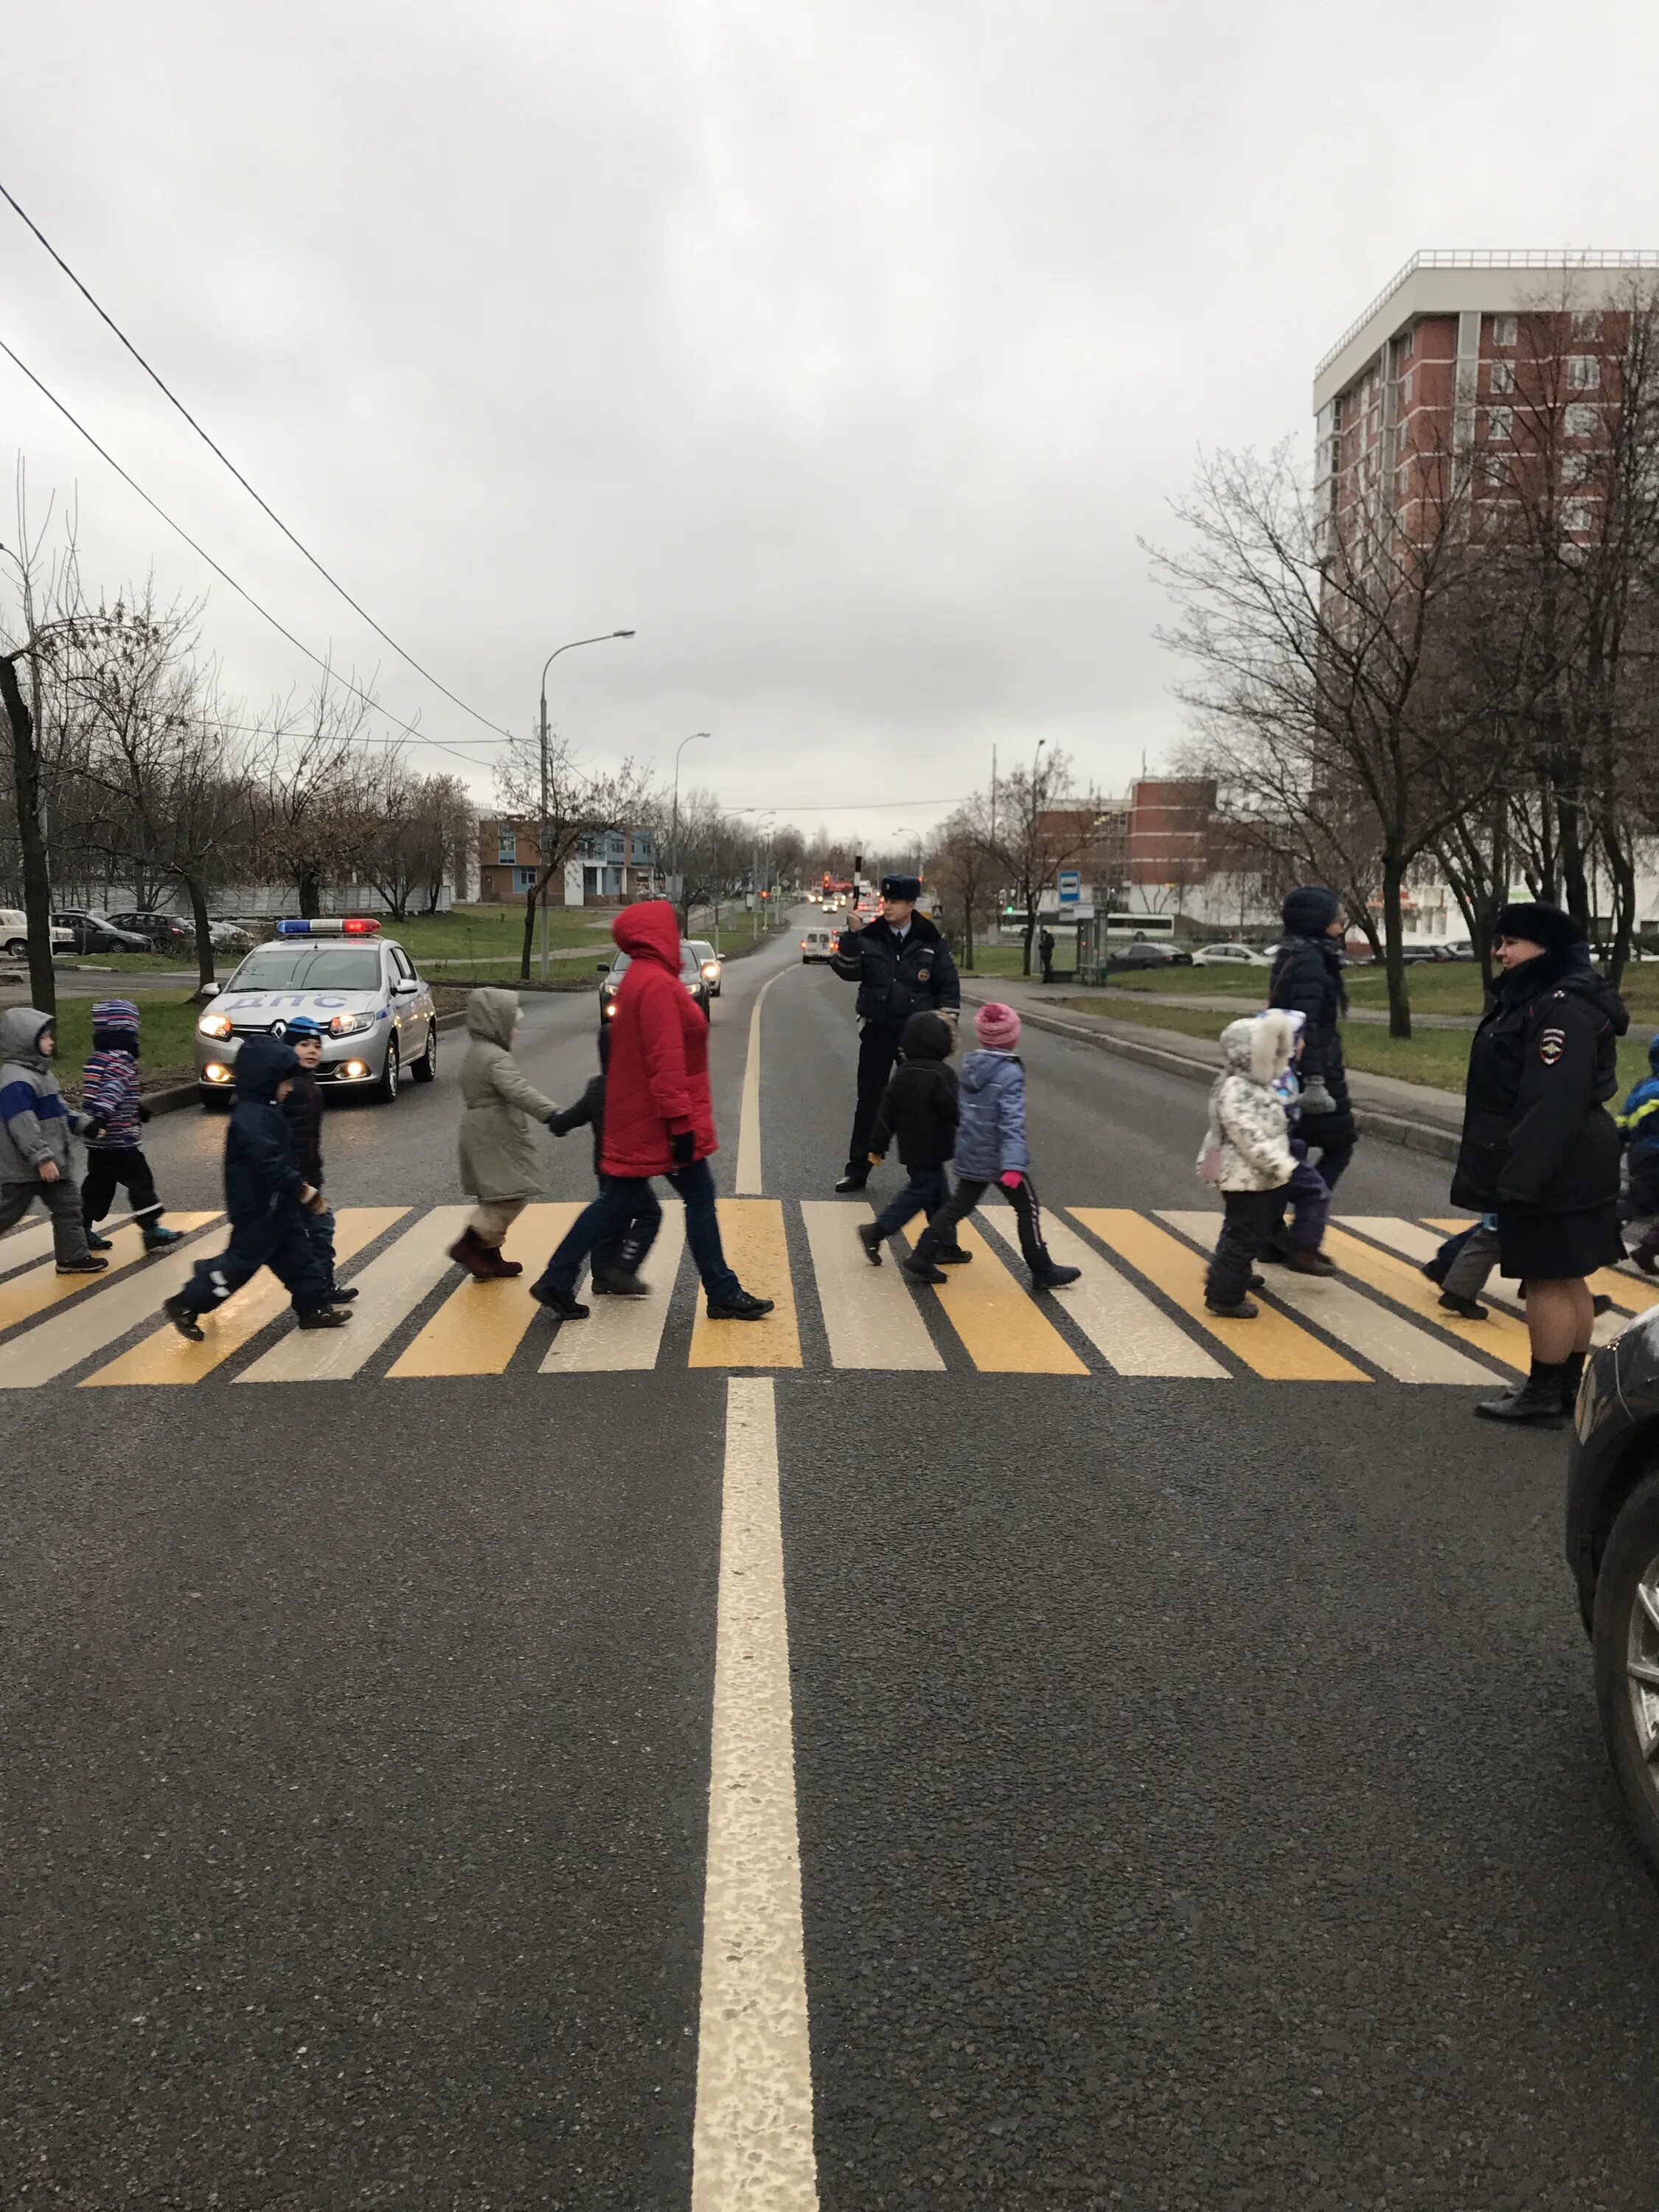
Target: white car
column 15, row 934
column 817, row 944
column 713, row 967
column 1230, row 956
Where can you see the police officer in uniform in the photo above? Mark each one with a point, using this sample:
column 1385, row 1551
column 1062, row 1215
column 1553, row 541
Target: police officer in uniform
column 902, row 966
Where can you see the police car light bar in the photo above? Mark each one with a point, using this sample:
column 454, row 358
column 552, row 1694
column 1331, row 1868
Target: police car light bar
column 353, row 926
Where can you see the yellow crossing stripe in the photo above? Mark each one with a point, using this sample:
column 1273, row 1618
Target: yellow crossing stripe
column 1001, row 1326
column 1499, row 1336
column 27, row 1295
column 1398, row 1346
column 1272, row 1344
column 869, row 1316
column 1130, row 1333
column 165, row 1356
column 388, row 1289
column 479, row 1326
column 751, row 1230
column 1503, row 1291
column 1628, row 1292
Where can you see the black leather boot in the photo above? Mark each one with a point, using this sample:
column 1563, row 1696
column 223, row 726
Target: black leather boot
column 1572, row 1373
column 1537, row 1401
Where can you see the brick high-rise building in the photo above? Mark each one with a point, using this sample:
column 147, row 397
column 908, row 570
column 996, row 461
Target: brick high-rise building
column 1463, row 350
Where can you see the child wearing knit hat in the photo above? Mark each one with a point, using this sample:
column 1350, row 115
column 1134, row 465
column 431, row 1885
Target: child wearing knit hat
column 115, row 1158
column 990, row 1150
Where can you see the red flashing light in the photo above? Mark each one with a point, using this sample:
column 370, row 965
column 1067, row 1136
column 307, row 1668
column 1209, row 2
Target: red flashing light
column 358, row 926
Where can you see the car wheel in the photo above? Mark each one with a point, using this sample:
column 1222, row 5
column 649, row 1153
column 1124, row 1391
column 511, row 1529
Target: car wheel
column 386, row 1088
column 425, row 1069
column 1625, row 1636
column 17, row 948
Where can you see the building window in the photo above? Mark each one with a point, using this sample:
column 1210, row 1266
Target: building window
column 1575, row 468
column 1500, row 423
column 1502, row 376
column 1503, row 330
column 1406, row 392
column 1581, row 421
column 1588, row 326
column 1583, row 372
column 1575, row 515
column 1403, row 351
column 524, row 879
column 506, row 844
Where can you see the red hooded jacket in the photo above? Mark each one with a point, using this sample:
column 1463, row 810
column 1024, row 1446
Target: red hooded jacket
column 657, row 1072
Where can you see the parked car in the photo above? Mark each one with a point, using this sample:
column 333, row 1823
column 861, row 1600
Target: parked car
column 1612, row 1550
column 817, row 944
column 15, row 933
column 161, row 932
column 1148, row 954
column 229, row 936
column 378, row 1019
column 1230, row 956
column 691, row 976
column 714, row 968
column 96, row 932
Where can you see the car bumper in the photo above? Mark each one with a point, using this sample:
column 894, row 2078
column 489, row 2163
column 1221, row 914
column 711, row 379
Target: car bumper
column 347, row 1063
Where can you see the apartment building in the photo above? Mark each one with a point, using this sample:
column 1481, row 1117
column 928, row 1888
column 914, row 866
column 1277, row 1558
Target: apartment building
column 608, row 869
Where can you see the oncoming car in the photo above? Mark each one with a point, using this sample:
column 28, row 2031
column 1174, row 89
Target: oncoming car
column 377, row 1017
column 714, row 968
column 691, row 975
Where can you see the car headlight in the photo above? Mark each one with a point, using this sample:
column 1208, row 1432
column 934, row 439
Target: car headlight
column 350, row 1024
column 711, row 968
column 214, row 1025
column 610, row 1009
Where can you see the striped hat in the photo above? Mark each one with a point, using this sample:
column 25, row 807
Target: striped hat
column 118, row 1016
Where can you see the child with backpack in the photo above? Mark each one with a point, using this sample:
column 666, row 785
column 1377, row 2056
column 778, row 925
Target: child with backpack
column 990, row 1150
column 1246, row 1154
column 36, row 1158
column 918, row 1110
column 115, row 1154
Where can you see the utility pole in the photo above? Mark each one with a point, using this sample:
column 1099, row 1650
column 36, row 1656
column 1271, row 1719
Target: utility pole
column 674, row 831
column 542, row 869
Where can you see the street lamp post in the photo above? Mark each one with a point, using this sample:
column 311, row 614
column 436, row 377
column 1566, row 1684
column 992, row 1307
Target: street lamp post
column 674, row 829
column 541, row 827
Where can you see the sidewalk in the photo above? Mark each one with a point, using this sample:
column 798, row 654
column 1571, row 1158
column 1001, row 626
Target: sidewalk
column 1413, row 1115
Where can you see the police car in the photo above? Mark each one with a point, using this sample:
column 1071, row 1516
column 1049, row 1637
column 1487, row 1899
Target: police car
column 378, row 1020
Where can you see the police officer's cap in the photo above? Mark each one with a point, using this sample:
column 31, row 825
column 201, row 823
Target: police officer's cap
column 901, row 887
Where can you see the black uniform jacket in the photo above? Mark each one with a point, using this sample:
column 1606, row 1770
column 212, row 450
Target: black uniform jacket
column 1536, row 1134
column 919, row 1109
column 898, row 979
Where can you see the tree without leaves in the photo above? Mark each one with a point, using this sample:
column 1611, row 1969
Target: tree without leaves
column 581, row 803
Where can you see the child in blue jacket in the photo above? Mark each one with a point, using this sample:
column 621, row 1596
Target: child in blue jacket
column 115, row 1154
column 991, row 1149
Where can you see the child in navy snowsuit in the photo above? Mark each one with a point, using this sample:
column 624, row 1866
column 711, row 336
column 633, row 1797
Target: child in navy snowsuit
column 267, row 1198
column 990, row 1151
column 920, row 1112
column 615, row 1260
column 115, row 1155
column 302, row 1109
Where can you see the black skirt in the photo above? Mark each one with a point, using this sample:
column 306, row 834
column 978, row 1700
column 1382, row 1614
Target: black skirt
column 1553, row 1247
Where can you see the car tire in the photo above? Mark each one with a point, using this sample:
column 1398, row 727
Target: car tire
column 386, row 1088
column 1622, row 1630
column 17, row 948
column 425, row 1069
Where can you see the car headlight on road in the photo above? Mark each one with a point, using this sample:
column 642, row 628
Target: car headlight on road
column 610, row 1010
column 353, row 1071
column 214, row 1025
column 213, row 1072
column 350, row 1024
column 711, row 968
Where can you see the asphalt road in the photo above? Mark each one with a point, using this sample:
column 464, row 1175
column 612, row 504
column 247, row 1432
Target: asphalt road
column 1198, row 1798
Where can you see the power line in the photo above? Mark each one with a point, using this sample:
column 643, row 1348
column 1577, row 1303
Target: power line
column 218, row 450
column 344, row 681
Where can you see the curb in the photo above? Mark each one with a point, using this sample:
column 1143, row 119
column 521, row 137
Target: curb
column 1370, row 1120
column 178, row 1096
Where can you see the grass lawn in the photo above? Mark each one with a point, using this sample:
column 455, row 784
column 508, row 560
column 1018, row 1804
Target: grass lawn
column 165, row 1027
column 1439, row 1058
column 1452, row 988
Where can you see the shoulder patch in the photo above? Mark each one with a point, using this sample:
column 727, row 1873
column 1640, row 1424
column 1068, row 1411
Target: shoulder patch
column 1551, row 1046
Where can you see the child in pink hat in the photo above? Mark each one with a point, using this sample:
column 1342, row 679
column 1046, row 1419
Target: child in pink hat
column 991, row 1149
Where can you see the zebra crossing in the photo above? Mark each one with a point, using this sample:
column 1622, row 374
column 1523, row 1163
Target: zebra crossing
column 1137, row 1309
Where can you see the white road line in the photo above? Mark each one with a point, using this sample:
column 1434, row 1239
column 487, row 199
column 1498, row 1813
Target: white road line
column 869, row 1315
column 1399, row 1347
column 1122, row 1322
column 624, row 1333
column 387, row 1289
column 75, row 1332
column 20, row 1248
column 1412, row 1241
column 749, row 1122
column 752, row 2139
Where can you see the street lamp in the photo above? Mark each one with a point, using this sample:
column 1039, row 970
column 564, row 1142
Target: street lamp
column 674, row 830
column 541, row 829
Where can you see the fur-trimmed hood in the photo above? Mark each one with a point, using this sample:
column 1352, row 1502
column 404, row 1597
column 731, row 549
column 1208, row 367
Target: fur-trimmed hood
column 1259, row 1046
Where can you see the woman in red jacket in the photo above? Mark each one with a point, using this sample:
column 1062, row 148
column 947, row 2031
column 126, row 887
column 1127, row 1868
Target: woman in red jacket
column 659, row 1121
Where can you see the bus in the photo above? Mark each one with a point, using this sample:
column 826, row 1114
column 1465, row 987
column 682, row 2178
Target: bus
column 1138, row 928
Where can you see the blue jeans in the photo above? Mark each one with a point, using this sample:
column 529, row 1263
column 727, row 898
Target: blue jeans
column 605, row 1223
column 320, row 1228
column 925, row 1193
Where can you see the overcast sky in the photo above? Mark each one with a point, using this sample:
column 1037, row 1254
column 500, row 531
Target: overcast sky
column 843, row 350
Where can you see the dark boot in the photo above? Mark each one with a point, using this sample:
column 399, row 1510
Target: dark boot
column 1243, row 1309
column 1053, row 1276
column 95, row 1242
column 742, row 1305
column 473, row 1253
column 1646, row 1256
column 183, row 1319
column 852, row 1181
column 342, row 1294
column 870, row 1237
column 1469, row 1309
column 952, row 1256
column 1572, row 1373
column 323, row 1318
column 157, row 1239
column 1536, row 1402
column 557, row 1301
column 1301, row 1262
column 618, row 1283
column 494, row 1265
column 922, row 1270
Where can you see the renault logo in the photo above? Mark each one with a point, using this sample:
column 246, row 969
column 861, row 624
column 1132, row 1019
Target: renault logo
column 279, row 1029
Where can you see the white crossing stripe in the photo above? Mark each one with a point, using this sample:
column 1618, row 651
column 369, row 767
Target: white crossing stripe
column 20, row 1248
column 1135, row 1336
column 624, row 1335
column 388, row 1289
column 1412, row 1241
column 869, row 1315
column 1390, row 1341
column 52, row 1347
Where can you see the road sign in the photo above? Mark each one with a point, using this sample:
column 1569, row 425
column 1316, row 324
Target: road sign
column 1069, row 884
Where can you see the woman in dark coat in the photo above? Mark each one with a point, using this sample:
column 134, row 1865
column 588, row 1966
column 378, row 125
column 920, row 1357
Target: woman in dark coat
column 1307, row 980
column 1539, row 1149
